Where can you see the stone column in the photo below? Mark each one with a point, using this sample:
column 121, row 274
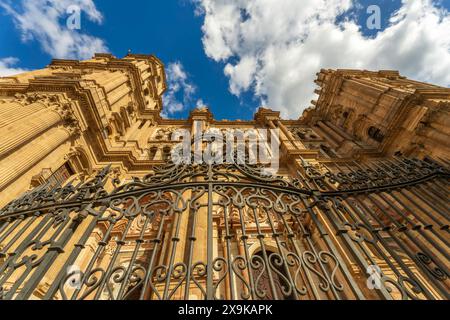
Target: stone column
column 13, row 111
column 22, row 131
column 332, row 132
column 435, row 135
column 8, row 106
column 22, row 160
column 325, row 133
column 272, row 126
column 298, row 144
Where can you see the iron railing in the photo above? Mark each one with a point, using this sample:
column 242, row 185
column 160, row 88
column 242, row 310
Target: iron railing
column 340, row 230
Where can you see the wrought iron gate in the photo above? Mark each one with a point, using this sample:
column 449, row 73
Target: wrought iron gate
column 342, row 230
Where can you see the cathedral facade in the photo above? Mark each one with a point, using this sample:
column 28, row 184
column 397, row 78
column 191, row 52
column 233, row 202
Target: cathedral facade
column 94, row 207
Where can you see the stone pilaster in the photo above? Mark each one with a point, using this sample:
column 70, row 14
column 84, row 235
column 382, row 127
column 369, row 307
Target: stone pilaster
column 8, row 106
column 13, row 111
column 15, row 134
column 23, row 159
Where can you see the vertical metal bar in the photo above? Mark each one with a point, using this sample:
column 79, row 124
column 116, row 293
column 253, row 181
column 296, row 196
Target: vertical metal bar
column 70, row 260
column 137, row 246
column 391, row 252
column 50, row 257
column 276, row 235
column 156, row 243
column 432, row 206
column 101, row 246
column 209, row 279
column 414, row 239
column 425, row 224
column 109, row 269
column 227, row 241
column 411, row 255
column 175, row 239
column 415, row 228
column 244, row 238
column 7, row 265
column 18, row 234
column 311, row 283
column 359, row 258
column 260, row 237
column 11, row 228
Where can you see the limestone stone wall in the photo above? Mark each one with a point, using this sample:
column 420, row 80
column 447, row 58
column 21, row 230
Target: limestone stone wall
column 108, row 110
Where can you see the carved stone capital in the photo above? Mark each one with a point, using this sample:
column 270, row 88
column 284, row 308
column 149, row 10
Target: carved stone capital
column 33, row 97
column 64, row 109
column 73, row 128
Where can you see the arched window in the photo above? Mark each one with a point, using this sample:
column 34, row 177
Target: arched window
column 152, row 153
column 376, row 134
column 264, row 283
column 166, row 154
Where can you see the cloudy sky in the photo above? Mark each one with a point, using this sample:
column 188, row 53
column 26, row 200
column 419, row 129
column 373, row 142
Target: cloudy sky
column 235, row 55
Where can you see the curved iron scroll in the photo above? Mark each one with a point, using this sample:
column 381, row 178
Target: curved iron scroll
column 229, row 232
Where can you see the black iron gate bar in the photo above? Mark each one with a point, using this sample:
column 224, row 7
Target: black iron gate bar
column 345, row 208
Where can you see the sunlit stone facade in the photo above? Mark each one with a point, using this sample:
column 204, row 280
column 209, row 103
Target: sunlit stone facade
column 65, row 123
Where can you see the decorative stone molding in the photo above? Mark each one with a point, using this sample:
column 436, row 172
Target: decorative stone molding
column 163, row 134
column 60, row 67
column 26, row 99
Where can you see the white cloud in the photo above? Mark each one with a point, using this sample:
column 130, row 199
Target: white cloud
column 7, row 67
column 241, row 74
column 45, row 22
column 275, row 47
column 181, row 90
column 200, row 103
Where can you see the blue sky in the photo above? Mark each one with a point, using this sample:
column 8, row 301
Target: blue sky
column 235, row 56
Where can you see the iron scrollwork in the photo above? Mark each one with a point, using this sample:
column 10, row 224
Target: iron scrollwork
column 228, row 231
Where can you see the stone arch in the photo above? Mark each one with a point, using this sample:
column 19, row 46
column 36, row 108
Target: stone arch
column 270, row 245
column 83, row 160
